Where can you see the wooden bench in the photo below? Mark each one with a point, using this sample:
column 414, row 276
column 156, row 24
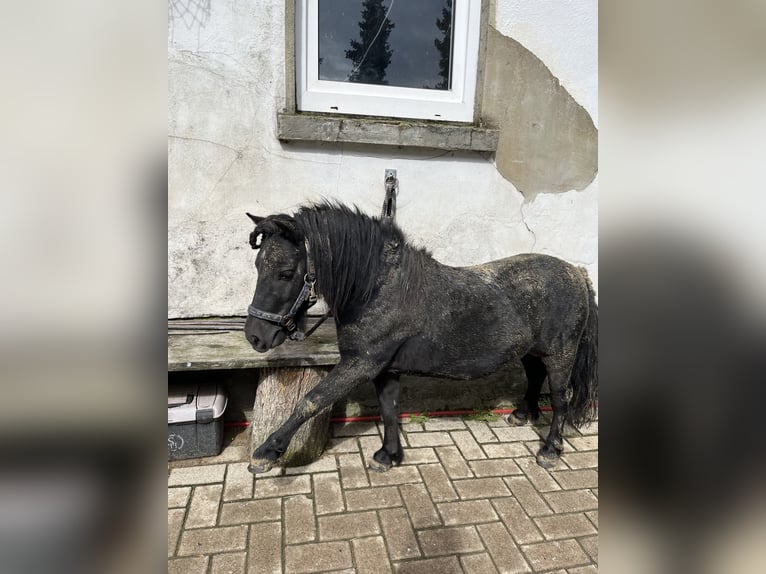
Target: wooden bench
column 286, row 374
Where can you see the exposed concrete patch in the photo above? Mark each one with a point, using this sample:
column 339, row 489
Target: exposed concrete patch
column 548, row 142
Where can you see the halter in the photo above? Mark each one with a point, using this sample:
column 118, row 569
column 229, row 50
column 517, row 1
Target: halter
column 287, row 321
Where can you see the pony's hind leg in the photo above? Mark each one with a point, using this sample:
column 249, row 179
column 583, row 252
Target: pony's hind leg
column 391, row 454
column 528, row 410
column 558, row 379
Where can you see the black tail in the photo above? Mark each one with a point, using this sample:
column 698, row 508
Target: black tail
column 584, row 378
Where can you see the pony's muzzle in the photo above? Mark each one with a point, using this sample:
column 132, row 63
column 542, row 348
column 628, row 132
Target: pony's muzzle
column 263, row 336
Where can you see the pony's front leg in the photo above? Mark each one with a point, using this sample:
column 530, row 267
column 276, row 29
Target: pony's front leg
column 337, row 384
column 391, row 454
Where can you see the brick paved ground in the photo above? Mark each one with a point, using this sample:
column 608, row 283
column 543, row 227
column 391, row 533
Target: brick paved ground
column 469, row 498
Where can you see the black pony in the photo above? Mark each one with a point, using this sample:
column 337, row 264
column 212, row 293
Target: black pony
column 398, row 310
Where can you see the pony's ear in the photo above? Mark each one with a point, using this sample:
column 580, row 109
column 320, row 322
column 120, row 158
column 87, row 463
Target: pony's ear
column 255, row 218
column 279, row 225
column 288, row 228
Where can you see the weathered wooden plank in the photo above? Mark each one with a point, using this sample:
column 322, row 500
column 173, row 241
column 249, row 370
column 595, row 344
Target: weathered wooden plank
column 230, row 350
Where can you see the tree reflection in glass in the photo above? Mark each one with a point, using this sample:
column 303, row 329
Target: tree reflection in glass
column 386, row 42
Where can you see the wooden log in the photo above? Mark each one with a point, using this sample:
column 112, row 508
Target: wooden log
column 279, row 390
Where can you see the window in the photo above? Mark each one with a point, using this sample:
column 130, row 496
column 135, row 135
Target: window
column 395, row 58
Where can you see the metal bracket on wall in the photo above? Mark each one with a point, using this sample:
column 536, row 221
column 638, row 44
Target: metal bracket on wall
column 392, row 188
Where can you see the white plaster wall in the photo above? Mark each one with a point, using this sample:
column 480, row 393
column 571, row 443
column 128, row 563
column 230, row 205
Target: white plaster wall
column 225, row 86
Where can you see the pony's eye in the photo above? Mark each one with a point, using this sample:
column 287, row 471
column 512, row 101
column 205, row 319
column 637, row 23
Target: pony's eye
column 286, row 275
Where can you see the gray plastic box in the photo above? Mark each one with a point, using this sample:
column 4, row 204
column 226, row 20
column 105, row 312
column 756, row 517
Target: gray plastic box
column 195, row 420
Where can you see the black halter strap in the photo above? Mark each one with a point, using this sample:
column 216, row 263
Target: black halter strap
column 307, row 294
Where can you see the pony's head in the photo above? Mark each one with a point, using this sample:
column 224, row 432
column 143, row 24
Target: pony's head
column 276, row 310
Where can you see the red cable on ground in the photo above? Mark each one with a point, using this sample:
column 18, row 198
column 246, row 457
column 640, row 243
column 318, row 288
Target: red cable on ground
column 424, row 413
column 369, row 418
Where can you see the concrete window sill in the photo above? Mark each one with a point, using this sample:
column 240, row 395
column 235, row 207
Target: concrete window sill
column 411, row 133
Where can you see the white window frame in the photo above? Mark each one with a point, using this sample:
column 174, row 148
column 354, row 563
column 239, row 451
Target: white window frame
column 455, row 104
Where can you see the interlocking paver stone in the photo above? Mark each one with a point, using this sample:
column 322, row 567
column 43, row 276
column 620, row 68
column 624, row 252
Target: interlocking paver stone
column 577, row 460
column 467, row 512
column 203, row 510
column 282, row 486
column 537, row 475
column 505, row 554
column 328, row 497
column 398, row 533
column 371, row 556
column 571, row 500
column 179, row 496
column 519, row 524
column 396, row 475
column 207, row 474
column 239, row 482
column 411, row 427
column 352, row 472
column 342, row 445
column 190, row 565
column 450, row 540
column 317, row 557
column 590, row 544
column 348, row 525
column 244, row 511
column 175, row 522
column 447, row 565
column 355, row 429
column 506, row 450
column 233, row 563
column 437, row 482
column 565, row 526
column 556, row 554
column 324, row 464
column 299, row 519
column 368, row 498
column 419, row 455
column 527, row 496
column 589, row 569
column 453, row 462
column 212, row 540
column 467, row 445
column 513, row 433
column 265, row 548
column 494, row 467
column 369, row 445
column 584, row 442
column 593, row 516
column 430, row 439
column 481, row 487
column 573, row 479
column 481, row 432
column 419, row 506
column 444, row 424
column 477, row 564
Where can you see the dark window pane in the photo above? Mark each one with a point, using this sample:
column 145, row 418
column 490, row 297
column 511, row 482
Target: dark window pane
column 403, row 43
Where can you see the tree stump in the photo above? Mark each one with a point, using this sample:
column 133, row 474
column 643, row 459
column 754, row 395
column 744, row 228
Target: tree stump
column 279, row 390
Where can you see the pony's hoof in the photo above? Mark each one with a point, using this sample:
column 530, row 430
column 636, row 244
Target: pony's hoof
column 260, row 466
column 376, row 466
column 547, row 460
column 382, row 461
column 517, row 418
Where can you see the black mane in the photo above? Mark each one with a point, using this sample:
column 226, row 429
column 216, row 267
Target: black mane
column 350, row 250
